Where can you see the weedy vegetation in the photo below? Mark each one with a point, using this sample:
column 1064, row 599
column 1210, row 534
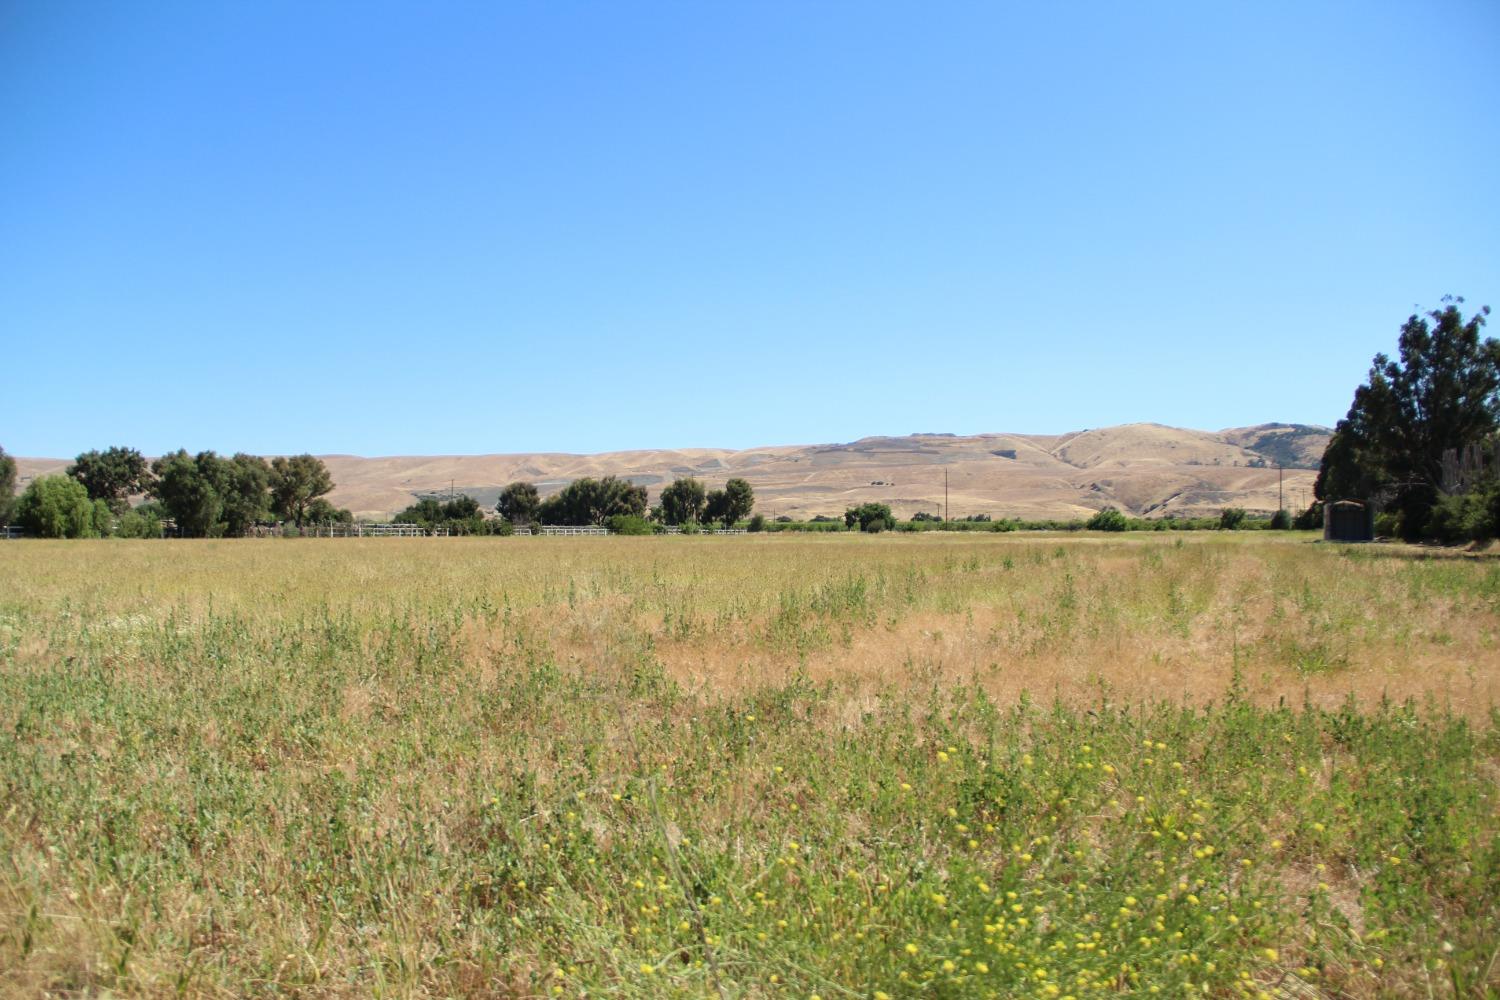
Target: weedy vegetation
column 793, row 766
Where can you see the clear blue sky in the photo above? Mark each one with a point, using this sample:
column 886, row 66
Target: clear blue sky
column 395, row 228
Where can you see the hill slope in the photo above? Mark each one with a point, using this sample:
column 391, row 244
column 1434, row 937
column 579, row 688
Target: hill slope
column 1146, row 469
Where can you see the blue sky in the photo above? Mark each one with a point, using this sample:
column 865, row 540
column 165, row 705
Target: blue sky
column 398, row 228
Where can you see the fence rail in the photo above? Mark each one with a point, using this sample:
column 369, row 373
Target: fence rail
column 398, row 530
column 673, row 529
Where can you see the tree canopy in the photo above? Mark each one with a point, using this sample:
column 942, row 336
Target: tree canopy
column 113, row 475
column 7, row 487
column 59, row 507
column 1441, row 395
column 870, row 517
column 593, row 501
column 295, row 483
column 320, row 511
column 209, row 495
column 519, row 503
column 187, row 489
column 730, row 504
column 242, row 482
column 682, row 502
column 460, row 515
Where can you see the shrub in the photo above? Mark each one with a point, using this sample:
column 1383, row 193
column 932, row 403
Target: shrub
column 630, row 524
column 1281, row 521
column 143, row 522
column 1107, row 519
column 1466, row 517
column 102, row 519
column 1231, row 518
column 1310, row 519
column 757, row 523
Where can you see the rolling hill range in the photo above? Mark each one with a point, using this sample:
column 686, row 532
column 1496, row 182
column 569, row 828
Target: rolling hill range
column 1144, row 469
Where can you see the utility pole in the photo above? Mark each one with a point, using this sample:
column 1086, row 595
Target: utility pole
column 1280, row 503
column 947, row 511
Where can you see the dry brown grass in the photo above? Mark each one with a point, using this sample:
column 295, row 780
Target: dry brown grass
column 1073, row 618
column 186, row 721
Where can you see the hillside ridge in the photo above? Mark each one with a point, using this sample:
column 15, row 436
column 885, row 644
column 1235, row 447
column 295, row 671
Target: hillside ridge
column 1141, row 468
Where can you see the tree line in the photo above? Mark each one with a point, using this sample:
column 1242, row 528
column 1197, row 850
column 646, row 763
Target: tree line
column 613, row 501
column 206, row 495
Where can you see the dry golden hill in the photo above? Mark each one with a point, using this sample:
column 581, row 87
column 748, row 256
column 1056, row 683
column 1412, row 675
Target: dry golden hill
column 1145, row 469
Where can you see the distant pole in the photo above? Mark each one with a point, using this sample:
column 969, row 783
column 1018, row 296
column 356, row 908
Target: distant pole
column 1280, row 503
column 947, row 511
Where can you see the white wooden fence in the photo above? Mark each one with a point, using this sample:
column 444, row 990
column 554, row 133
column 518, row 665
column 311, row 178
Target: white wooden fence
column 398, row 530
column 673, row 529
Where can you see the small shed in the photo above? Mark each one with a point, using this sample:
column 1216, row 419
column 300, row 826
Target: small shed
column 1349, row 521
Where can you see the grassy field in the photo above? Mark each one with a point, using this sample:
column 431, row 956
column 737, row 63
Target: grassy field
column 894, row 766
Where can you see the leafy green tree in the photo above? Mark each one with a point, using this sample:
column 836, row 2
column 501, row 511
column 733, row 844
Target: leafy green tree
column 519, row 503
column 682, row 501
column 1281, row 520
column 740, row 501
column 715, row 507
column 243, row 484
column 1108, row 519
column 460, row 515
column 296, row 482
column 1442, row 394
column 7, row 487
column 593, row 501
column 1231, row 518
column 113, row 475
column 56, row 507
column 320, row 511
column 461, row 507
column 871, row 517
column 188, row 488
column 426, row 511
column 729, row 505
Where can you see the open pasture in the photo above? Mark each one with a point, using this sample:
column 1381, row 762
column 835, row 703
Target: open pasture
column 890, row 766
